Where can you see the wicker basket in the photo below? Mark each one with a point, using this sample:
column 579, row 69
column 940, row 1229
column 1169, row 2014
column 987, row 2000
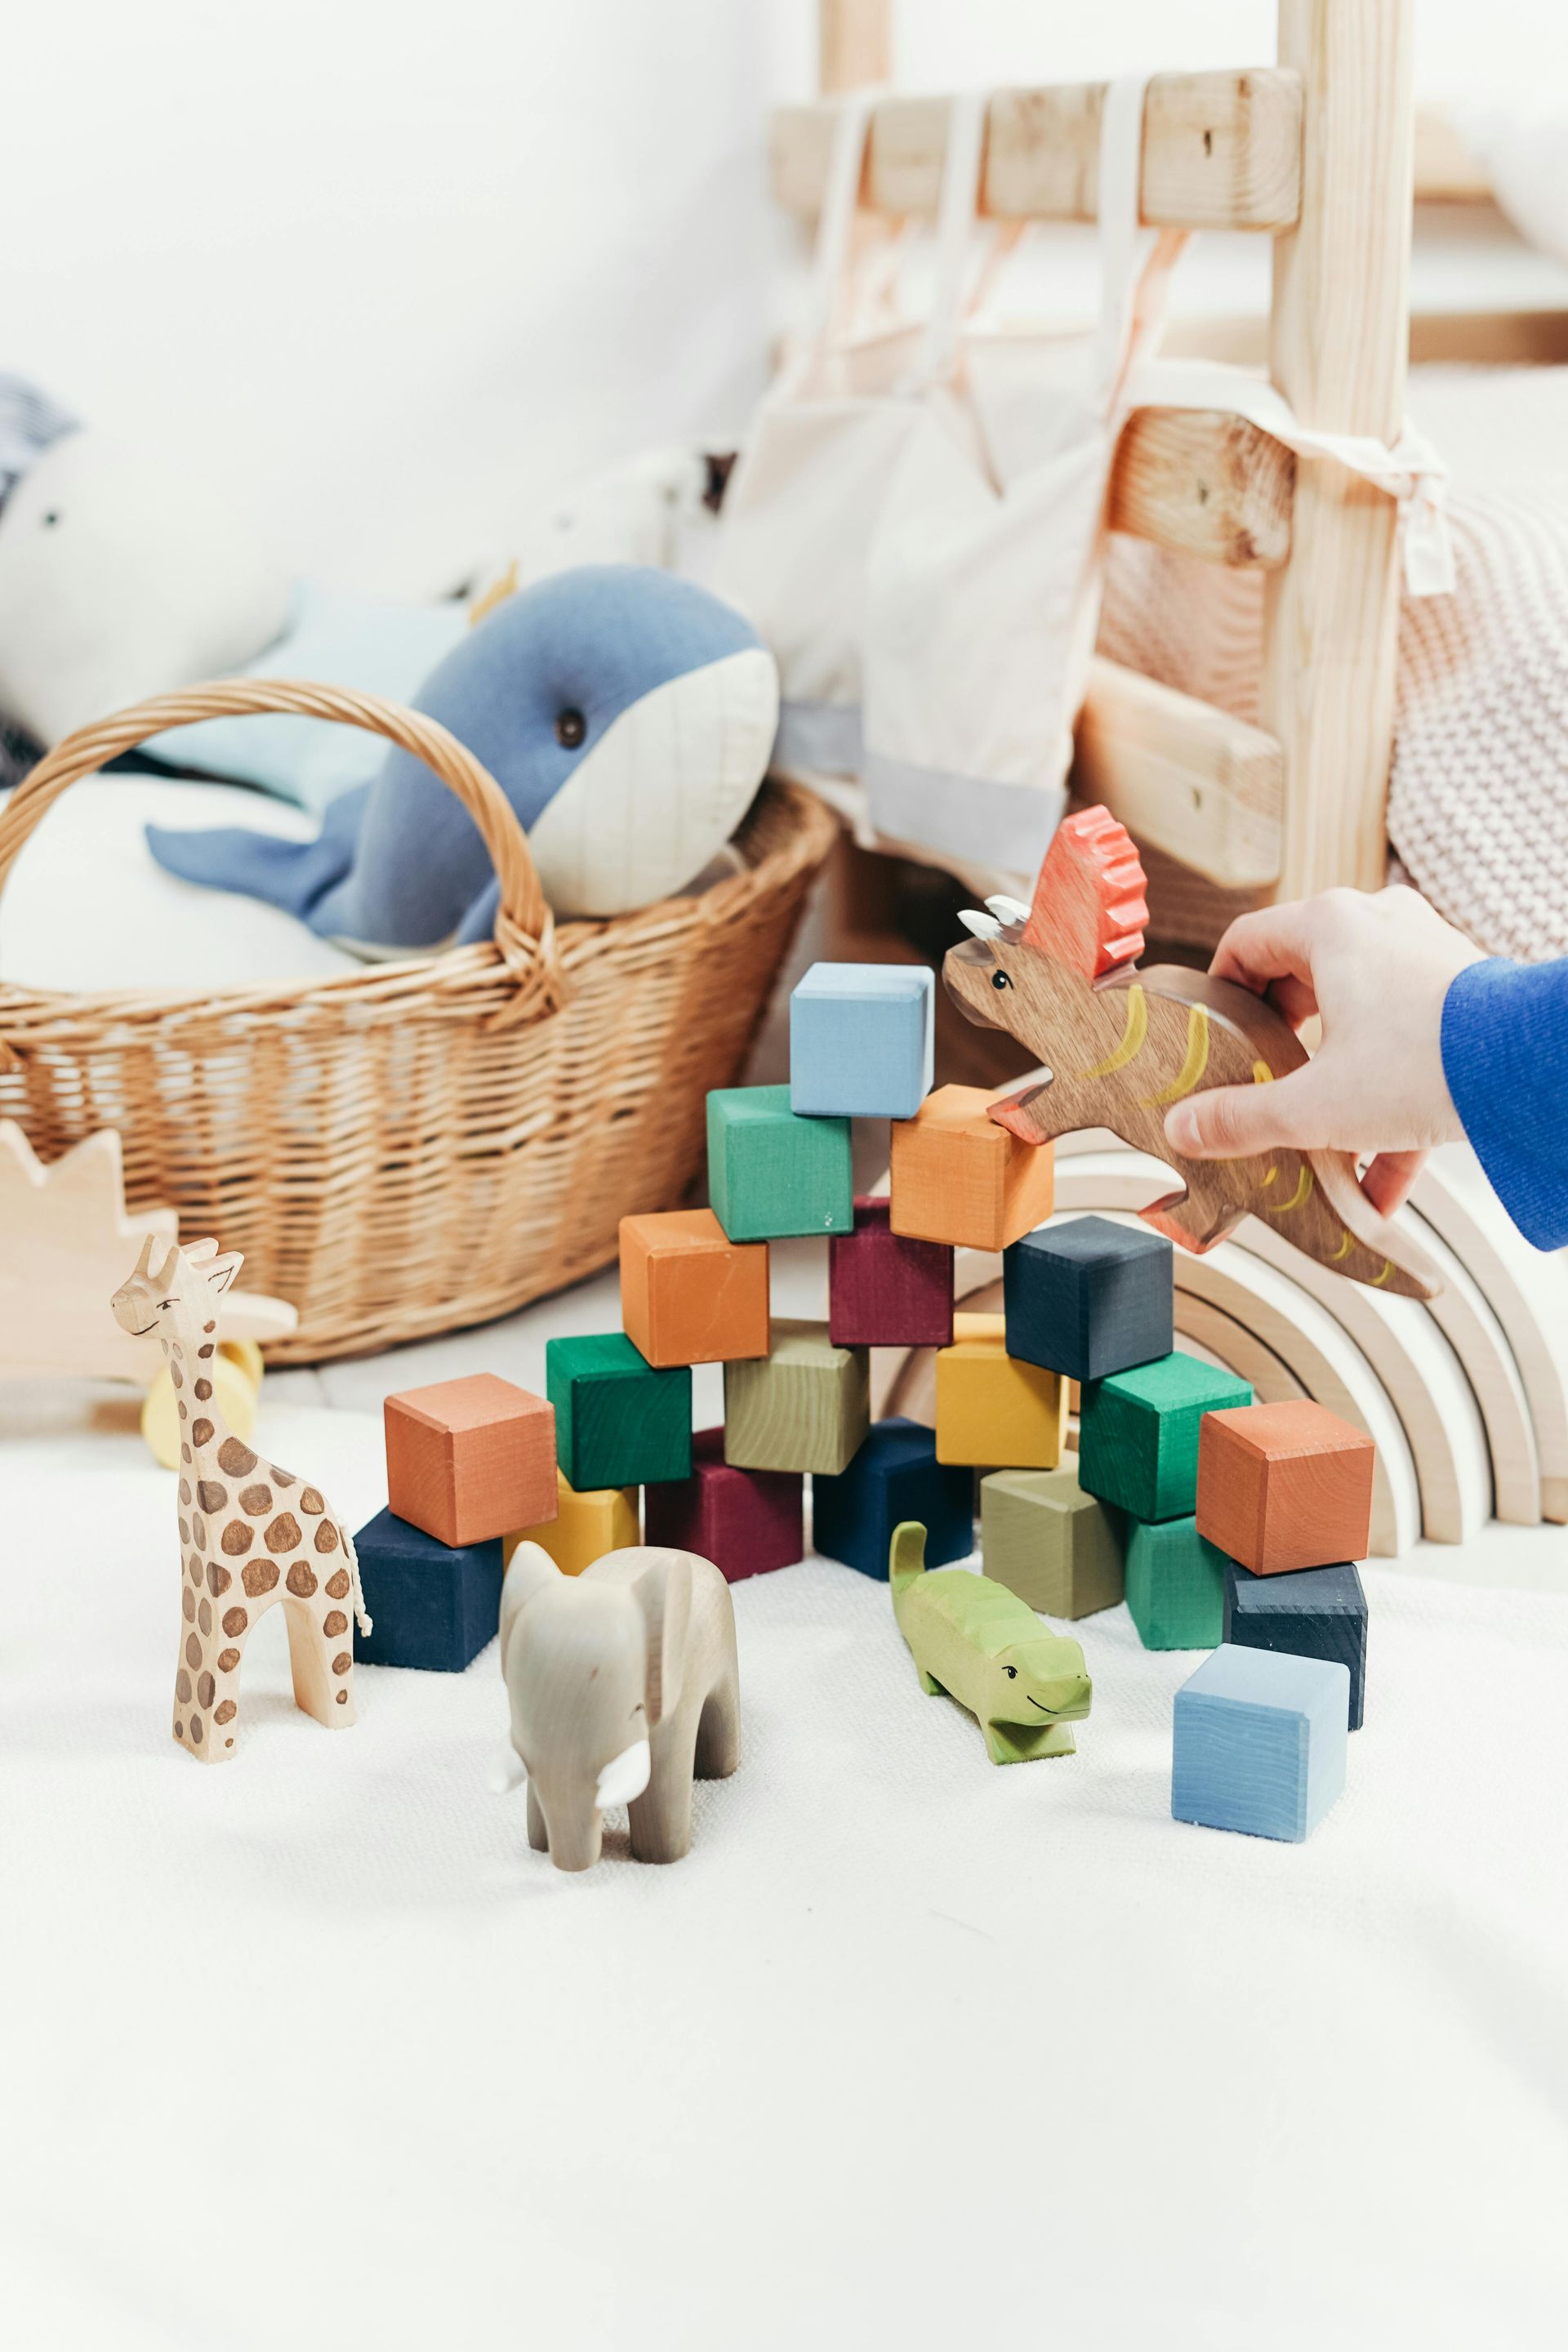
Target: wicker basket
column 419, row 1145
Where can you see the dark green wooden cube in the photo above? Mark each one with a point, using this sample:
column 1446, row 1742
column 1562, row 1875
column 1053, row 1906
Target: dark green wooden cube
column 618, row 1422
column 1138, row 1433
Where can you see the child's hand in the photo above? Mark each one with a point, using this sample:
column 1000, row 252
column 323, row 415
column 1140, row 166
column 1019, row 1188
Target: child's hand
column 1376, row 967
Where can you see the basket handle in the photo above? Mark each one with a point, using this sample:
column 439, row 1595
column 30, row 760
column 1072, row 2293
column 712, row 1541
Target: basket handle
column 524, row 926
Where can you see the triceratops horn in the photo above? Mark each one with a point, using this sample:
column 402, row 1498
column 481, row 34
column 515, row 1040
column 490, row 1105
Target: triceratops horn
column 1008, row 910
column 985, row 926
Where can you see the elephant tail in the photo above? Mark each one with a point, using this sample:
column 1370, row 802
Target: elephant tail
column 298, row 876
column 905, row 1556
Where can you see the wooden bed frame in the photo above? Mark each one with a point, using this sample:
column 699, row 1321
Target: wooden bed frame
column 1318, row 153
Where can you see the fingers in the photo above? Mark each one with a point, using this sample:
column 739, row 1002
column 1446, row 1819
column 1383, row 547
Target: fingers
column 1388, row 1180
column 1272, row 948
column 1229, row 1122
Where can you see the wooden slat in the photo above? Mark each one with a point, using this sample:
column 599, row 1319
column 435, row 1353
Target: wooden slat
column 1181, row 776
column 1445, row 171
column 854, row 42
column 1206, row 484
column 1220, row 151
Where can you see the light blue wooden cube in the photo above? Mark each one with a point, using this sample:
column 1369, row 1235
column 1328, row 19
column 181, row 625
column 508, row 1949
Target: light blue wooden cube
column 1261, row 1740
column 860, row 1040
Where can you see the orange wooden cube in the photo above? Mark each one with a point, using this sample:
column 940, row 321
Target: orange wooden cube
column 689, row 1294
column 958, row 1176
column 468, row 1460
column 1284, row 1486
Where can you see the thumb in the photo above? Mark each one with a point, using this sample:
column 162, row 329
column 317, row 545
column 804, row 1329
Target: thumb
column 1229, row 1122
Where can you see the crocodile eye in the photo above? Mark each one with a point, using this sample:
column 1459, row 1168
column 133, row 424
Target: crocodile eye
column 1012, row 1674
column 999, row 980
column 571, row 727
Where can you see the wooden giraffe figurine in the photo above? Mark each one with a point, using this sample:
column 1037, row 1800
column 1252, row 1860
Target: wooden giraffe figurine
column 1121, row 1046
column 250, row 1535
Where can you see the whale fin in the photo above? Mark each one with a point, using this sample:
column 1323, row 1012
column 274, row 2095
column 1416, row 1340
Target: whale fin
column 298, row 876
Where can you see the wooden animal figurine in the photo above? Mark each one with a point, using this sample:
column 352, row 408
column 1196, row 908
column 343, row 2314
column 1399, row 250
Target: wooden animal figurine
column 622, row 1685
column 1120, row 1045
column 250, row 1533
column 980, row 1644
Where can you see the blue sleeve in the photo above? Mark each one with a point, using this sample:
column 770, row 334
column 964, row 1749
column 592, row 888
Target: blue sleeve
column 1505, row 1056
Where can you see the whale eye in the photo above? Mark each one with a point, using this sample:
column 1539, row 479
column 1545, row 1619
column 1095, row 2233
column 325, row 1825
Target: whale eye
column 999, row 979
column 571, row 727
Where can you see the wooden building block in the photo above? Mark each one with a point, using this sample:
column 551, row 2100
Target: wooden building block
column 886, row 1291
column 689, row 1294
column 860, row 1040
column 1047, row 1540
column 431, row 1605
column 894, row 1476
column 993, row 1411
column 469, row 1459
column 1138, row 1433
column 1175, row 1585
column 806, row 1405
column 585, row 1526
column 770, row 1174
column 1285, row 1486
column 744, row 1521
column 618, row 1422
column 1259, row 1742
column 958, row 1176
column 1089, row 1297
column 1318, row 1612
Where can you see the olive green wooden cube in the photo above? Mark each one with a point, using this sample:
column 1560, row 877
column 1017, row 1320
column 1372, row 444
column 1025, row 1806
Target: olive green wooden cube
column 806, row 1405
column 1054, row 1546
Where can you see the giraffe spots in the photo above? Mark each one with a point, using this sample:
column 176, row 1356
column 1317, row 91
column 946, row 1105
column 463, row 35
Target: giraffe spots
column 206, row 1690
column 203, row 1433
column 185, row 1452
column 342, row 1662
column 312, row 1502
column 200, row 1526
column 284, row 1535
column 175, row 1372
column 343, row 1699
column 234, row 1621
column 179, row 1729
column 184, row 1415
column 284, row 1478
column 209, row 1326
column 196, row 1730
column 211, row 1496
column 257, row 1500
column 218, row 1579
column 236, row 1459
column 188, row 1603
column 326, row 1537
column 193, row 1651
column 205, row 1617
column 259, row 1577
column 206, row 1350
column 204, row 1390
column 333, row 1624
column 195, row 1568
column 185, row 1492
column 184, row 1531
column 236, row 1537
column 226, row 1714
column 337, row 1586
column 181, row 1686
column 302, row 1581
column 229, row 1659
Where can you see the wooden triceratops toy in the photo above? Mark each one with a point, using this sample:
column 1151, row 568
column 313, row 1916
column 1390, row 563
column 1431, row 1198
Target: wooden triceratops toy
column 1121, row 1046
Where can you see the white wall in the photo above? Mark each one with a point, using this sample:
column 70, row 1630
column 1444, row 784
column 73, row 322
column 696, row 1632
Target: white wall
column 406, row 261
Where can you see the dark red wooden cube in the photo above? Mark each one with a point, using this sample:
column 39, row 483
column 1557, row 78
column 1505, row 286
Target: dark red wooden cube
column 885, row 1290
column 743, row 1520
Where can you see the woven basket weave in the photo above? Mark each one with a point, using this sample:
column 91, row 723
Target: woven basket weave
column 415, row 1145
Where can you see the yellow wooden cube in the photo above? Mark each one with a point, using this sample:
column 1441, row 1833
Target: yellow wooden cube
column 992, row 1410
column 585, row 1526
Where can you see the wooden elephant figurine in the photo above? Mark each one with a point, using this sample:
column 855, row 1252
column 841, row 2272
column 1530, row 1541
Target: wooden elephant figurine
column 623, row 1685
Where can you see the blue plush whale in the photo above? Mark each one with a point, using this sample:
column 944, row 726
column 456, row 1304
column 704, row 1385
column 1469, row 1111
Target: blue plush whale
column 627, row 716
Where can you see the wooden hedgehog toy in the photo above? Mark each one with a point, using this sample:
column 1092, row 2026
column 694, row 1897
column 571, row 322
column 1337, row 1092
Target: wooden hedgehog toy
column 1121, row 1046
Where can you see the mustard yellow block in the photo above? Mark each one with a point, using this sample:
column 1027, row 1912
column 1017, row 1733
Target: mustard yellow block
column 994, row 1412
column 585, row 1526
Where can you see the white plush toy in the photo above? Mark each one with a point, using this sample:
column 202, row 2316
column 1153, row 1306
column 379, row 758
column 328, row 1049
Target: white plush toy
column 123, row 575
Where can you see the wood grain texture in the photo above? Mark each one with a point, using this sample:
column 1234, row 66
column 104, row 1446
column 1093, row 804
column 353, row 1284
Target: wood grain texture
column 1338, row 340
column 860, row 1038
column 1318, row 1614
column 1220, row 151
column 1205, row 483
column 1175, row 1585
column 854, row 43
column 885, row 1290
column 1284, row 1486
column 1259, row 1743
column 951, row 1182
column 770, row 1174
column 1183, row 776
column 993, row 1411
column 433, row 1606
column 620, row 1421
column 894, row 1476
column 689, row 1294
column 584, row 1528
column 745, row 1521
column 1138, row 1433
column 470, row 1459
column 1050, row 1543
column 1087, row 1298
column 804, row 1406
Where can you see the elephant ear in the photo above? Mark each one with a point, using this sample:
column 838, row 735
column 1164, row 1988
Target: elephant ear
column 531, row 1568
column 664, row 1596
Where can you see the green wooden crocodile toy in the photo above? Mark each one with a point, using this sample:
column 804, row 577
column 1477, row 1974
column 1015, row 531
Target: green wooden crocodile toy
column 978, row 1642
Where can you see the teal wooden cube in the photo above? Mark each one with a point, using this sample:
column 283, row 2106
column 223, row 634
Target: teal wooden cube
column 618, row 1423
column 1259, row 1742
column 770, row 1174
column 1175, row 1585
column 1138, row 1433
column 860, row 1040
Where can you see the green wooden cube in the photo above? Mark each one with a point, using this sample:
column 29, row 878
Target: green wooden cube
column 1175, row 1585
column 806, row 1405
column 1054, row 1546
column 1138, row 1433
column 618, row 1423
column 771, row 1173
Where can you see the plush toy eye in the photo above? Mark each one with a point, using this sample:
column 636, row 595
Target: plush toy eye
column 1012, row 1674
column 999, row 980
column 571, row 727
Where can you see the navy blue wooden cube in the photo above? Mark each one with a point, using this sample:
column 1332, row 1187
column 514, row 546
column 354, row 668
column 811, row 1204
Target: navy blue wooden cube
column 1311, row 1612
column 431, row 1604
column 894, row 1475
column 1089, row 1297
